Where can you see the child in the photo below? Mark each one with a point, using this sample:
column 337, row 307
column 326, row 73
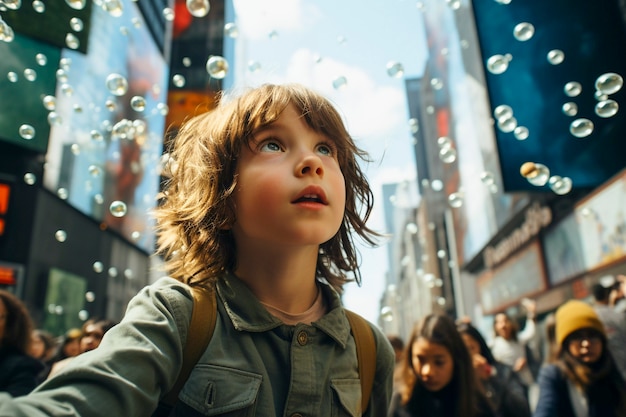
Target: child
column 438, row 376
column 264, row 196
column 584, row 380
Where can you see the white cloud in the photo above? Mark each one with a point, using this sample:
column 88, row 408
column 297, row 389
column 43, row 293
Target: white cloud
column 257, row 18
column 371, row 110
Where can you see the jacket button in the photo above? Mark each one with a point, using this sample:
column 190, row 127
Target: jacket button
column 303, row 338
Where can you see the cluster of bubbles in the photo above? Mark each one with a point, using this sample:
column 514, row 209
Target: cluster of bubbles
column 447, row 152
column 539, row 175
column 605, row 85
column 507, row 123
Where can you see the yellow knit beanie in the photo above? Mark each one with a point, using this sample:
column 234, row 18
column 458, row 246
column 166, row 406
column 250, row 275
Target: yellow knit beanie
column 575, row 315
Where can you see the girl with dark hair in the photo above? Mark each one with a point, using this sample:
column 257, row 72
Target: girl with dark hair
column 438, row 378
column 502, row 386
column 584, row 380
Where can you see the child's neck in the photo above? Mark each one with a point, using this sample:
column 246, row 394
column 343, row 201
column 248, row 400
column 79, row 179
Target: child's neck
column 286, row 282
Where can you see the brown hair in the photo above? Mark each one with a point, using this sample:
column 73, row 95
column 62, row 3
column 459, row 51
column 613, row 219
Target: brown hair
column 18, row 324
column 197, row 211
column 441, row 329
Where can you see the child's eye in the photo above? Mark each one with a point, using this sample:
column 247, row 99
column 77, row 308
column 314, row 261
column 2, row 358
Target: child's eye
column 270, row 146
column 326, row 149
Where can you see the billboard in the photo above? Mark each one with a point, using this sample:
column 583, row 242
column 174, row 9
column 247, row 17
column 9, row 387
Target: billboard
column 554, row 72
column 107, row 135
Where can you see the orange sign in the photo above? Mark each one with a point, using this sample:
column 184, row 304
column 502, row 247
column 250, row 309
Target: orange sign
column 7, row 276
column 4, row 205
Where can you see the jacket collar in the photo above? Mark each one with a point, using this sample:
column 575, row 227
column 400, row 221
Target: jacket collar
column 248, row 314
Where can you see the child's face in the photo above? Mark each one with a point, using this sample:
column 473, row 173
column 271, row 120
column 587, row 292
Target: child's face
column 432, row 363
column 291, row 190
column 585, row 345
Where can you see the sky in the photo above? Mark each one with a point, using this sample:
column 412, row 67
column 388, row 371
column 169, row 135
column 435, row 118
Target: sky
column 314, row 42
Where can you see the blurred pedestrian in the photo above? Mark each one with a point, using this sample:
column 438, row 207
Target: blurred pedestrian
column 398, row 349
column 18, row 370
column 584, row 380
column 504, row 390
column 91, row 335
column 438, row 375
column 42, row 347
column 614, row 323
column 509, row 345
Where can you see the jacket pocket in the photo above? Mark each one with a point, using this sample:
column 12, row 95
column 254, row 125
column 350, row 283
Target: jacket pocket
column 218, row 391
column 347, row 400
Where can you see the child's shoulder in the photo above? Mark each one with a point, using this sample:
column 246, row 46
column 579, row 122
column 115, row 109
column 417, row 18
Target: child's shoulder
column 167, row 296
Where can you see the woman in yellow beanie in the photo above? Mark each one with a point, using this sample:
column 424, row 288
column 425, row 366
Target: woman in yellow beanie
column 583, row 380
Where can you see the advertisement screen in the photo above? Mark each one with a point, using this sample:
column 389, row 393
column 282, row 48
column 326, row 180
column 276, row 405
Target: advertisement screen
column 107, row 137
column 554, row 71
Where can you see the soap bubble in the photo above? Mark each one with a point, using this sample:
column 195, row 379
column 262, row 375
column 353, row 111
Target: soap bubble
column 523, row 31
column 340, row 82
column 556, row 56
column 609, row 83
column 455, row 200
column 607, row 108
column 581, row 127
column 570, row 109
column 138, row 103
column 60, row 235
column 26, row 131
column 117, row 84
column 231, row 30
column 497, row 64
column 217, row 67
column 573, row 89
column 198, row 8
column 118, row 208
column 395, row 69
column 76, row 4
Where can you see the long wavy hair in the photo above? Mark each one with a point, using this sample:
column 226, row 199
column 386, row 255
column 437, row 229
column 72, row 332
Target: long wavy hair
column 441, row 329
column 197, row 210
column 18, row 324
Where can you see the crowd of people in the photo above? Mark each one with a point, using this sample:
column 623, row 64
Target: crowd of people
column 259, row 216
column 29, row 356
column 573, row 368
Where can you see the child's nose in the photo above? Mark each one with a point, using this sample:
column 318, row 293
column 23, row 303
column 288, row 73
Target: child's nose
column 310, row 164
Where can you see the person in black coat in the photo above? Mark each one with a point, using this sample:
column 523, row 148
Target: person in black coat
column 18, row 370
column 584, row 380
column 503, row 388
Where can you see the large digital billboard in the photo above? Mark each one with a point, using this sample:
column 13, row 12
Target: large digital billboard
column 107, row 134
column 554, row 71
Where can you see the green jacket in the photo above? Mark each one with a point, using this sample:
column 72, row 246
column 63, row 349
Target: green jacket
column 254, row 365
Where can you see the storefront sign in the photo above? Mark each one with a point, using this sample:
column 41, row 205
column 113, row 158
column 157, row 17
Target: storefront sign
column 536, row 218
column 521, row 275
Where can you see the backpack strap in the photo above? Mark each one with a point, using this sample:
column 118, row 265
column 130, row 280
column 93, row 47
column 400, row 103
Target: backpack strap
column 201, row 328
column 365, row 353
